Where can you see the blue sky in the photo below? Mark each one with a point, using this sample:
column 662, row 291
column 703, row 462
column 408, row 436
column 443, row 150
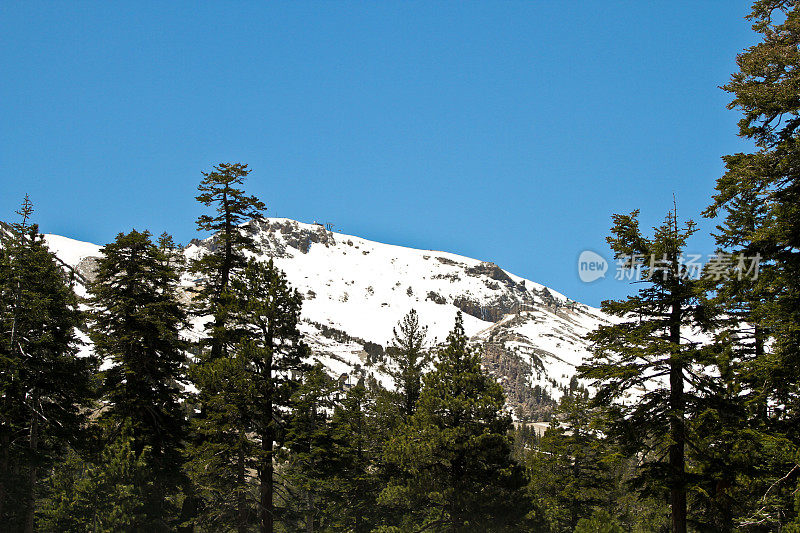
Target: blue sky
column 505, row 131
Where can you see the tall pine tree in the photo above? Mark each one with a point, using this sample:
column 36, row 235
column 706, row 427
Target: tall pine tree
column 405, row 361
column 46, row 386
column 759, row 196
column 246, row 415
column 136, row 322
column 644, row 368
column 220, row 189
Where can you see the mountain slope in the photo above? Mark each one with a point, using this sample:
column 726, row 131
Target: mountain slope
column 356, row 291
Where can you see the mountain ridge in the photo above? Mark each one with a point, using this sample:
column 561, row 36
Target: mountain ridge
column 355, row 291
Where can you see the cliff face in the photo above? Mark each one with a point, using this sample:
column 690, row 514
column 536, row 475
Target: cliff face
column 355, row 290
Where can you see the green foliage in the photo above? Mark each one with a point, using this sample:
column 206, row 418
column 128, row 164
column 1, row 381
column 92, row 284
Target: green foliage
column 600, row 522
column 219, row 188
column 454, row 454
column 136, row 321
column 45, row 385
column 247, row 399
column 223, row 456
column 759, row 198
column 310, row 461
column 111, row 494
column 646, row 352
column 572, row 468
column 405, row 362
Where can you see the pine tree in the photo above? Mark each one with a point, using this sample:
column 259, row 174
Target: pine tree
column 223, row 456
column 647, row 353
column 136, row 324
column 310, row 454
column 571, row 469
column 406, row 360
column 109, row 494
column 268, row 313
column 759, row 196
column 46, row 386
column 355, row 466
column 219, row 188
column 246, row 415
column 456, row 450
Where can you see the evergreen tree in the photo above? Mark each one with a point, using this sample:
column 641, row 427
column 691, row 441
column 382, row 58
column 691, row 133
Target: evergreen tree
column 246, row 415
column 456, row 450
column 109, row 494
column 223, row 456
column 600, row 522
column 406, row 360
column 136, row 322
column 571, row 470
column 46, row 386
column 647, row 353
column 759, row 196
column 356, row 449
column 219, row 188
column 310, row 459
column 268, row 314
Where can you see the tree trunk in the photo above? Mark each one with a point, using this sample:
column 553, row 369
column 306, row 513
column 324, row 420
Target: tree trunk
column 310, row 513
column 34, row 445
column 188, row 511
column 267, row 520
column 677, row 405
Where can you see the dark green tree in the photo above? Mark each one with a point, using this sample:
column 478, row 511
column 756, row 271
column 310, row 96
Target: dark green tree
column 309, row 458
column 572, row 468
column 355, row 473
column 46, row 385
column 759, row 196
column 220, row 189
column 268, row 313
column 644, row 368
column 109, row 494
column 136, row 321
column 455, row 451
column 405, row 361
column 246, row 416
column 223, row 456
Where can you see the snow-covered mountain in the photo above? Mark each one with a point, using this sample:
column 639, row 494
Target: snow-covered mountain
column 357, row 290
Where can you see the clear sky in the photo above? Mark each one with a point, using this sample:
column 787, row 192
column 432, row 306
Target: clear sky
column 505, row 131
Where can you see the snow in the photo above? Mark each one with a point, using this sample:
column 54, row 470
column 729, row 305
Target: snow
column 69, row 250
column 363, row 288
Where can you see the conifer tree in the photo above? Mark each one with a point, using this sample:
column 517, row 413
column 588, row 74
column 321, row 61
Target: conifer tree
column 355, row 467
column 136, row 322
column 759, row 196
column 310, row 454
column 246, row 415
column 406, row 360
column 220, row 189
column 107, row 494
column 268, row 313
column 571, row 468
column 223, row 456
column 456, row 450
column 647, row 353
column 46, row 386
